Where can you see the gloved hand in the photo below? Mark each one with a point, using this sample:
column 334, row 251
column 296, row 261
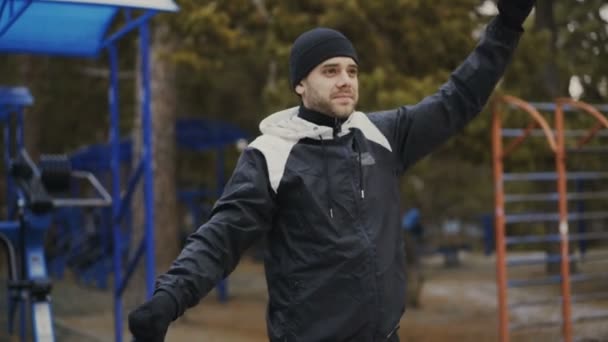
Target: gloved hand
column 150, row 321
column 514, row 12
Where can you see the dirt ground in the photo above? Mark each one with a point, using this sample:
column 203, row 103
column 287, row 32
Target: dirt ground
column 457, row 304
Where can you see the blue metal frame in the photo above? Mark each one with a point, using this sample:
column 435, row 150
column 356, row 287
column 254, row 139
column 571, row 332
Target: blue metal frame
column 108, row 43
column 128, row 27
column 35, row 229
column 12, row 15
column 27, row 232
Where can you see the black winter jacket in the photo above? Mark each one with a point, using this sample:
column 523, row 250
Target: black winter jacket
column 329, row 208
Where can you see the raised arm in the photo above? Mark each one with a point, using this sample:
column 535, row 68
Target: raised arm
column 415, row 131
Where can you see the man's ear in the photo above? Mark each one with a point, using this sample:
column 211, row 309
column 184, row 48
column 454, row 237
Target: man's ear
column 300, row 89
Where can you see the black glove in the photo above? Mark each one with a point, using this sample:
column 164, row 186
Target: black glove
column 514, row 12
column 149, row 322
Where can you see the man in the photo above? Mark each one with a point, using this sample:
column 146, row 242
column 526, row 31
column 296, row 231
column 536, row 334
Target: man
column 321, row 185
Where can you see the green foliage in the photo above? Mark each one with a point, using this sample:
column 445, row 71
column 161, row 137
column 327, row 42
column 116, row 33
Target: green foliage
column 232, row 65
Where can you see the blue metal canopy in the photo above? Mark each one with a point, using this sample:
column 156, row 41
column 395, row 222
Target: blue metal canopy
column 64, row 27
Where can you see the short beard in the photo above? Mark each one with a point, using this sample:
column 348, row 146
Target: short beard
column 325, row 107
column 344, row 113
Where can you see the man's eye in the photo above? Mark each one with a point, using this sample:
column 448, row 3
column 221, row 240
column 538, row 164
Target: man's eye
column 330, row 71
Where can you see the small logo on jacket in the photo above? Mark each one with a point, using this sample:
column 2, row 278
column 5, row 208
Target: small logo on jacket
column 367, row 159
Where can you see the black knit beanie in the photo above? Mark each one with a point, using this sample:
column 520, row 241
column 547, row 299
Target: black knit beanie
column 313, row 47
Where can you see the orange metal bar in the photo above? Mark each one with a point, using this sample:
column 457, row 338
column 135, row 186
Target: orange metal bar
column 499, row 225
column 592, row 132
column 560, row 160
column 560, row 163
column 515, row 143
column 528, row 108
column 499, row 201
column 602, row 121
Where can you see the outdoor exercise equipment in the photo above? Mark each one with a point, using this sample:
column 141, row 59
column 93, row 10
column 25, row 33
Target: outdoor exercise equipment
column 90, row 263
column 34, row 191
column 517, row 229
column 81, row 28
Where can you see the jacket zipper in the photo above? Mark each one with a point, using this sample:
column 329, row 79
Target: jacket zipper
column 359, row 202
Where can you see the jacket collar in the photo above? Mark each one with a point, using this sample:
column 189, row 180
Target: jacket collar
column 321, row 119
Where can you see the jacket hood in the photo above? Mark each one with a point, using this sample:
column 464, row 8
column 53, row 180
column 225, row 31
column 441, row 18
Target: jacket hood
column 287, row 124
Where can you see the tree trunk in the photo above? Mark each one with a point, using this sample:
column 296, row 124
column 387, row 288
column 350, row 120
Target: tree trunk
column 545, row 20
column 30, row 69
column 163, row 104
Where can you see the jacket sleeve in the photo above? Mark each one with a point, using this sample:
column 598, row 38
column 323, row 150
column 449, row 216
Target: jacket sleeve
column 415, row 131
column 241, row 216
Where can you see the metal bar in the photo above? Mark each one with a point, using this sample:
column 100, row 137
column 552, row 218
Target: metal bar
column 9, row 225
column 580, row 209
column 520, row 139
column 534, row 325
column 525, row 106
column 114, row 138
column 556, row 279
column 7, row 163
column 105, row 196
column 562, row 189
column 570, row 133
column 596, row 317
column 19, row 130
column 588, row 149
column 131, row 187
column 580, row 298
column 554, row 196
column 576, row 278
column 553, row 217
column 128, row 27
column 80, row 202
column 551, row 258
column 586, row 108
column 551, row 106
column 148, row 158
column 512, row 240
column 131, row 266
column 499, row 224
column 551, row 176
column 15, row 16
column 592, row 133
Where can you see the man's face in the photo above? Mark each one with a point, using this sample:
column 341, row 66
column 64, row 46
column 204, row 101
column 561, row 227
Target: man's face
column 332, row 87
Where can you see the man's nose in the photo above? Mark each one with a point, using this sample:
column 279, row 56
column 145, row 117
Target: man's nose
column 344, row 79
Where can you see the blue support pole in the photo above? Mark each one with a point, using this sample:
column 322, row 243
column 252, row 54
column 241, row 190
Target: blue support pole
column 129, row 26
column 582, row 226
column 147, row 149
column 123, row 210
column 7, row 162
column 20, row 141
column 115, row 167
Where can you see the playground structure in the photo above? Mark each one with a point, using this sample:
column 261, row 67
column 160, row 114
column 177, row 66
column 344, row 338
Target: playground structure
column 567, row 226
column 78, row 28
column 88, row 252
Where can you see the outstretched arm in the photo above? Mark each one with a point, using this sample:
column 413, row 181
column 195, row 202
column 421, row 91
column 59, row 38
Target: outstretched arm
column 241, row 216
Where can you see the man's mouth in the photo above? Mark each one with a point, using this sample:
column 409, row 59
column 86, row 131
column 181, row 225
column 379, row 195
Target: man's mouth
column 342, row 96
